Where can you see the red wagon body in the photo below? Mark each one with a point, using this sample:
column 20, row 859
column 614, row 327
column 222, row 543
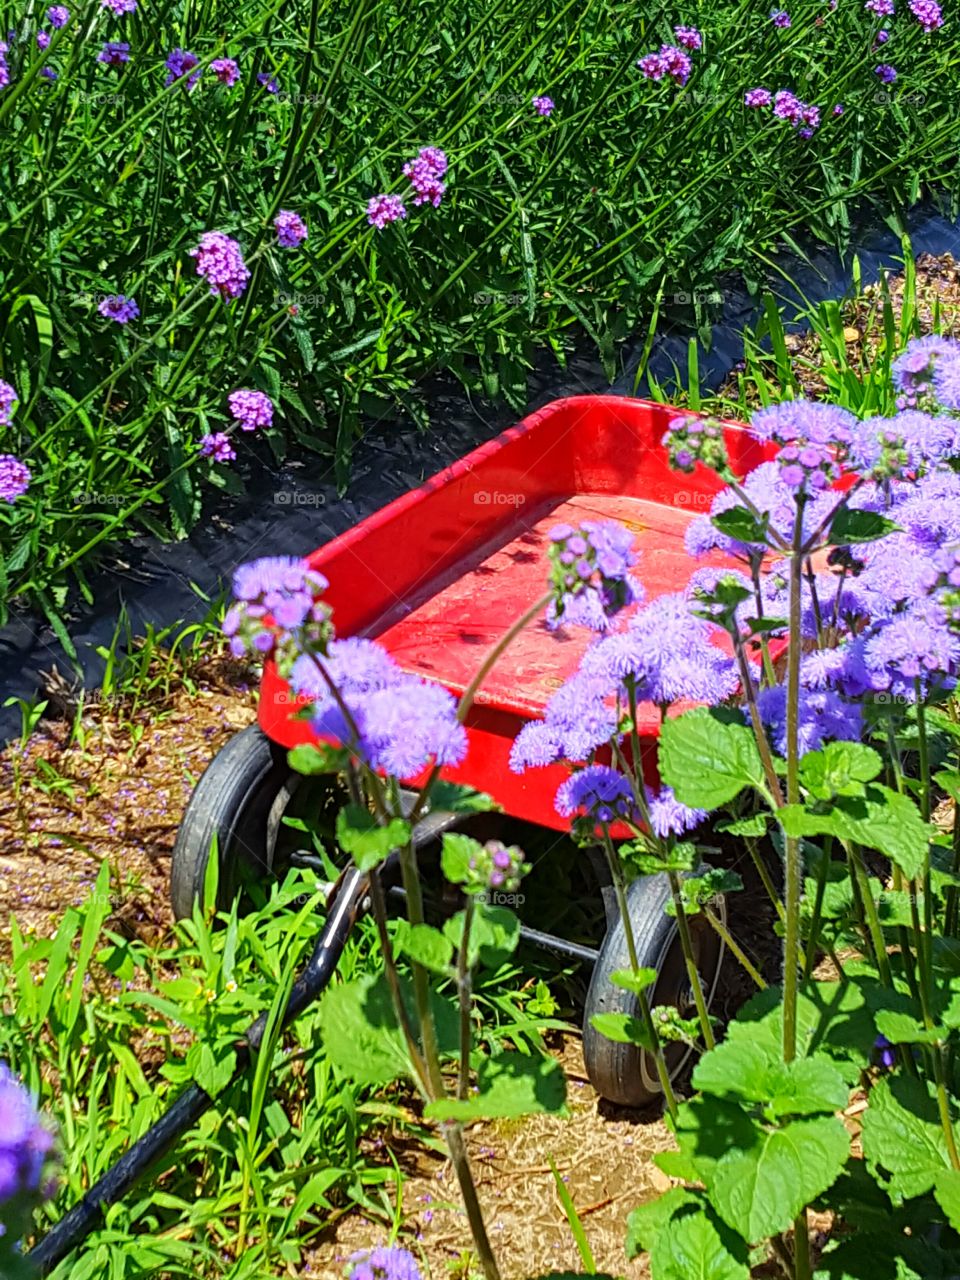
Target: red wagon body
column 440, row 574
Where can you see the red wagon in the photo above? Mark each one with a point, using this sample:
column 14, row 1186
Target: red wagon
column 437, row 577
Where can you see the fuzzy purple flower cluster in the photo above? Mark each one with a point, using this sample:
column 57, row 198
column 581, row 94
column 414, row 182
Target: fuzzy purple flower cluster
column 382, row 1263
column 278, row 609
column 25, row 1150
column 590, row 573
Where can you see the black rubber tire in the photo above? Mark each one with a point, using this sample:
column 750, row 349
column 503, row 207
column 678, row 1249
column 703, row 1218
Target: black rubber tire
column 623, row 1073
column 238, row 803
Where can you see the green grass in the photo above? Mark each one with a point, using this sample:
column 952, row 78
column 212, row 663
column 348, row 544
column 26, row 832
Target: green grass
column 631, row 195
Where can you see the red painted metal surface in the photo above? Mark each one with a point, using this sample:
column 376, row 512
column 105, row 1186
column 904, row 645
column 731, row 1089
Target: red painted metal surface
column 440, row 574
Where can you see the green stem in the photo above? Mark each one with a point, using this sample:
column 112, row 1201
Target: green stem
column 378, row 902
column 870, row 915
column 468, row 1189
column 801, row 1247
column 764, row 873
column 421, row 979
column 793, row 869
column 689, row 960
column 759, row 733
column 643, row 1003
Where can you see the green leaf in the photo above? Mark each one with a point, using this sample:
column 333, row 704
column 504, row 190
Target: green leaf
column 426, row 945
column 755, row 1073
column 310, row 758
column 759, row 1191
column 455, row 797
column 622, row 1028
column 493, row 936
column 879, row 819
column 212, row 1072
column 458, row 850
column 850, row 525
column 635, row 982
column 739, row 523
column 705, row 1129
column 946, row 1188
column 647, row 1221
column 707, row 760
column 840, row 768
column 903, row 1028
column 752, row 827
column 361, row 1034
column 512, row 1084
column 694, row 1246
column 362, row 837
column 832, row 1018
column 903, row 1141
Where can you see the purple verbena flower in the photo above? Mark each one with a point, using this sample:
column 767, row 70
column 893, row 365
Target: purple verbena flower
column 424, row 174
column 928, row 13
column 251, row 409
column 882, row 8
column 543, row 105
column 881, row 37
column 886, row 73
column 43, row 40
column 383, row 209
column 58, row 16
column 118, row 308
column 180, row 63
column 226, row 70
column 114, row 53
column 216, row 445
column 780, row 18
column 267, row 81
column 757, row 97
column 119, row 7
column 652, row 66
column 290, row 228
column 220, row 262
column 8, row 398
column 689, row 37
column 886, row 1053
column 838, row 109
column 677, row 64
column 15, row 478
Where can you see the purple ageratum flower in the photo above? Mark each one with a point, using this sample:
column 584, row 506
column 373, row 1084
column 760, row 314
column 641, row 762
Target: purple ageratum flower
column 886, row 73
column 220, row 262
column 43, row 40
column 913, row 439
column 780, row 18
column 543, row 106
column 667, row 655
column 286, row 589
column 576, row 721
column 793, row 421
column 689, row 37
column 355, row 665
column 946, row 382
column 401, row 729
column 668, row 817
column 290, row 228
column 928, row 13
column 15, row 479
column 590, row 574
column 114, row 53
column 25, row 1147
column 119, row 7
column 910, row 648
column 824, row 717
column 383, row 209
column 757, row 98
column 58, row 16
column 216, row 445
column 599, row 792
column 180, row 63
column 913, row 370
column 8, row 398
column 226, row 71
column 251, row 409
column 266, row 81
column 119, row 308
column 384, row 1264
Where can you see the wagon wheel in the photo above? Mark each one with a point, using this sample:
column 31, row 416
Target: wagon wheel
column 623, row 1073
column 238, row 807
